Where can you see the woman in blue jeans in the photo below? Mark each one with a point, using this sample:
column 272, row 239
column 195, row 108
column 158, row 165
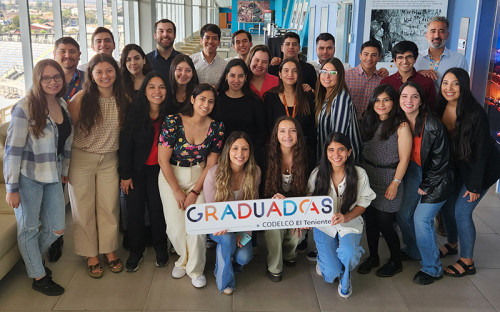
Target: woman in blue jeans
column 236, row 177
column 476, row 160
column 339, row 249
column 37, row 152
column 428, row 182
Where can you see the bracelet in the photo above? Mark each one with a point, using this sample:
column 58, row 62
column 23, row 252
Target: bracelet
column 397, row 180
column 195, row 191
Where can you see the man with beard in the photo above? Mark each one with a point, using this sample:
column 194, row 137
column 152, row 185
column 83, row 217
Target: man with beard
column 161, row 58
column 436, row 60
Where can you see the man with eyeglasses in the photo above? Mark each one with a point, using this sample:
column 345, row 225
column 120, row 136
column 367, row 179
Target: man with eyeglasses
column 404, row 55
column 436, row 60
column 103, row 41
column 161, row 58
column 364, row 78
column 67, row 54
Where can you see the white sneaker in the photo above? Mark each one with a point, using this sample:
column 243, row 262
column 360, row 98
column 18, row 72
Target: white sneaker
column 341, row 294
column 318, row 270
column 228, row 291
column 199, row 281
column 178, row 272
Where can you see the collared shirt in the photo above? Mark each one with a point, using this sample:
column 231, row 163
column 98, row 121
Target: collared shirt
column 364, row 197
column 425, row 83
column 208, row 72
column 361, row 87
column 160, row 64
column 74, row 85
column 34, row 158
column 447, row 60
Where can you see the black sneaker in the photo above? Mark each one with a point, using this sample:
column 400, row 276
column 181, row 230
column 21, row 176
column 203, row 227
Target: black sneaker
column 275, row 277
column 389, row 269
column 47, row 286
column 290, row 263
column 55, row 250
column 368, row 265
column 162, row 261
column 422, row 278
column 133, row 263
column 312, row 255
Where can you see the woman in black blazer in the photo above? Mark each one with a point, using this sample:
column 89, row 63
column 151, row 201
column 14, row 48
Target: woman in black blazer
column 139, row 170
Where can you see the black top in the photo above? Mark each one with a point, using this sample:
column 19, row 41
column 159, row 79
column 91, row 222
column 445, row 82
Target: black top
column 160, row 64
column 64, row 130
column 242, row 114
column 275, row 109
column 173, row 106
column 308, row 73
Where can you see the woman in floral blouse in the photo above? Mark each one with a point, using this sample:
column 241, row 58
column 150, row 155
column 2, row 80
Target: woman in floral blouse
column 190, row 143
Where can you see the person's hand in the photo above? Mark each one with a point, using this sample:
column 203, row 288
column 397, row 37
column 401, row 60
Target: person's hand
column 298, row 231
column 13, row 199
column 275, row 61
column 392, row 190
column 339, row 218
column 126, row 185
column 306, row 87
column 421, row 192
column 238, row 240
column 383, row 72
column 429, row 73
column 190, row 199
column 278, row 196
column 223, row 232
column 64, row 179
column 180, row 197
column 472, row 196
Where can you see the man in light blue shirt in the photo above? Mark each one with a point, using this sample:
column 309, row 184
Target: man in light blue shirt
column 436, row 60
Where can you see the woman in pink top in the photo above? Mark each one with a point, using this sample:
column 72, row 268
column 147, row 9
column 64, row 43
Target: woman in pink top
column 258, row 62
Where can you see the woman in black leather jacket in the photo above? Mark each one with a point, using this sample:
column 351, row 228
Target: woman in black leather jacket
column 428, row 183
column 139, row 170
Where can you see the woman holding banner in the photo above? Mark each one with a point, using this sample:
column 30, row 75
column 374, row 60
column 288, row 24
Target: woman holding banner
column 339, row 249
column 236, row 177
column 286, row 176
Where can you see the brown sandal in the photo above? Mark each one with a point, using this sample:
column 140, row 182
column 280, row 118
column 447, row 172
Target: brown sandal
column 115, row 266
column 96, row 270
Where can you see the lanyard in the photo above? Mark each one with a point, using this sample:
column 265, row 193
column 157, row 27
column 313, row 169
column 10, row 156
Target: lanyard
column 286, row 106
column 435, row 64
column 75, row 87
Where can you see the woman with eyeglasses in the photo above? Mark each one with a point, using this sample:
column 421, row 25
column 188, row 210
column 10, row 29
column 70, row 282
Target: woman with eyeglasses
column 335, row 111
column 36, row 161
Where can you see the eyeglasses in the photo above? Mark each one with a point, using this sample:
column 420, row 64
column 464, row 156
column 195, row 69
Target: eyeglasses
column 329, row 72
column 47, row 79
column 402, row 58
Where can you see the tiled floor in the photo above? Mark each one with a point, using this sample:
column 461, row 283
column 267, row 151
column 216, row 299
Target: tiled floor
column 153, row 289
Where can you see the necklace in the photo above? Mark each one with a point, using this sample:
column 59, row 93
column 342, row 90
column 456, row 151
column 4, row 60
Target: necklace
column 286, row 106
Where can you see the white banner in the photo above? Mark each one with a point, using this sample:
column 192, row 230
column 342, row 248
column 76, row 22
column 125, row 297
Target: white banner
column 259, row 214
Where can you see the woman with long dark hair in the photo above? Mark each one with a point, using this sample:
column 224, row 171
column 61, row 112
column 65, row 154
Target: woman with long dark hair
column 387, row 145
column 139, row 170
column 134, row 67
column 98, row 112
column 339, row 249
column 335, row 111
column 189, row 145
column 289, row 99
column 427, row 183
column 476, row 158
column 286, row 176
column 235, row 177
column 182, row 81
column 36, row 161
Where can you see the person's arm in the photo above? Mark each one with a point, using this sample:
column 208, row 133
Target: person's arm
column 209, row 186
column 74, row 106
column 429, row 73
column 344, row 218
column 405, row 141
column 67, row 149
column 198, row 187
column 164, row 154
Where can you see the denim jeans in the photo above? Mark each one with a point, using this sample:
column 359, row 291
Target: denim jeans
column 457, row 219
column 405, row 216
column 227, row 252
column 338, row 256
column 39, row 216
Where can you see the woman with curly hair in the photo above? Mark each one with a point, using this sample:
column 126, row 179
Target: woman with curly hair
column 98, row 112
column 134, row 66
column 182, row 81
column 36, row 161
column 286, row 176
column 235, row 177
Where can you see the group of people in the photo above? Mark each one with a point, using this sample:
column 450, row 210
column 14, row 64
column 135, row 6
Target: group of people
column 169, row 130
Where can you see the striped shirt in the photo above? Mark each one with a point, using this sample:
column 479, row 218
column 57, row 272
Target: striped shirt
column 361, row 87
column 340, row 118
column 34, row 158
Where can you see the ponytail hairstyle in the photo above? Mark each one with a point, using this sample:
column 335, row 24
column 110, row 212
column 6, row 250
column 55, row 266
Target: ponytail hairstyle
column 325, row 171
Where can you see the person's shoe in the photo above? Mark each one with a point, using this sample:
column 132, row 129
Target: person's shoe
column 389, row 269
column 406, row 257
column 422, row 278
column 368, row 265
column 178, row 272
column 47, row 286
column 55, row 250
column 228, row 291
column 312, row 255
column 302, row 247
column 199, row 281
column 341, row 293
column 275, row 277
column 290, row 263
column 162, row 261
column 450, row 251
column 318, row 270
column 133, row 263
